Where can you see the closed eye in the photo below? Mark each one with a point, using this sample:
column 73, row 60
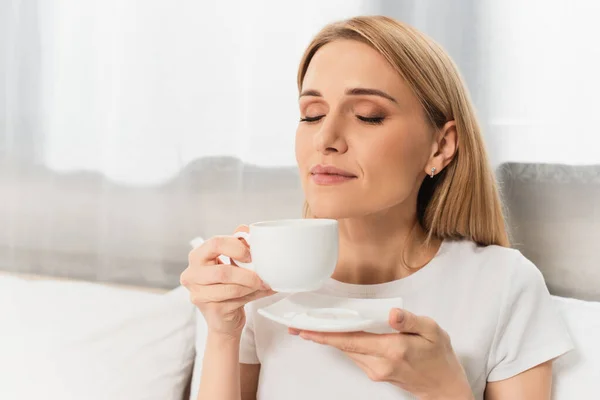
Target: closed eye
column 311, row 119
column 371, row 120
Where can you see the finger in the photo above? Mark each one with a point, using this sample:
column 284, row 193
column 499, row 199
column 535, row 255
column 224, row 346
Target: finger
column 243, row 228
column 219, row 245
column 363, row 361
column 219, row 293
column 406, row 322
column 227, row 274
column 240, row 228
column 378, row 369
column 351, row 342
column 234, row 304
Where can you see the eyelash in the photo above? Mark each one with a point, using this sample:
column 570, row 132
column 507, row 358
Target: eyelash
column 311, row 119
column 368, row 120
column 371, row 120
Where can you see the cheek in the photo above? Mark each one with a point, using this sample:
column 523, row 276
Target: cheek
column 298, row 146
column 396, row 152
column 394, row 162
column 302, row 148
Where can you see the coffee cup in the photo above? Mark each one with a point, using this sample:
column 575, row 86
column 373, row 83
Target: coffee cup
column 292, row 255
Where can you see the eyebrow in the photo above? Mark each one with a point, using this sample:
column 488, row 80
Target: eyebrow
column 354, row 92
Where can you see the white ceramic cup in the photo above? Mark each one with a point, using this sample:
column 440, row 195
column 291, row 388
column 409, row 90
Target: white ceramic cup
column 293, row 255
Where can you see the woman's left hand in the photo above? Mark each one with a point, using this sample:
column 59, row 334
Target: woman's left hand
column 418, row 359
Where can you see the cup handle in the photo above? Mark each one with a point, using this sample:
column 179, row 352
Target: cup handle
column 246, row 237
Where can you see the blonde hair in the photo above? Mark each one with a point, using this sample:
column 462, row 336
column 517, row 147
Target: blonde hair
column 462, row 201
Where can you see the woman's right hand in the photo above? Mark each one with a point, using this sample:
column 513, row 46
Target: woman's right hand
column 220, row 290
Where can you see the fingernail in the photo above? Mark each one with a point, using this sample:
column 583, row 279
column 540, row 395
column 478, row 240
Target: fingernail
column 399, row 316
column 265, row 286
column 293, row 331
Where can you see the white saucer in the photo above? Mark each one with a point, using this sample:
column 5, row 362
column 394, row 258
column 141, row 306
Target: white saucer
column 324, row 313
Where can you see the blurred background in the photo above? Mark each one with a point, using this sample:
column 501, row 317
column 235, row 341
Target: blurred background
column 128, row 128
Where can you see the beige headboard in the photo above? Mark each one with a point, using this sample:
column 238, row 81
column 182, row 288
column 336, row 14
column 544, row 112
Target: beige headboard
column 554, row 219
column 83, row 226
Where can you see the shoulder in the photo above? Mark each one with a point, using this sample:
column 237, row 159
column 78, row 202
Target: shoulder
column 500, row 263
column 496, row 274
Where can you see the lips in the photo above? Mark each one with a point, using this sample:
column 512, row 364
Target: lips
column 330, row 170
column 330, row 175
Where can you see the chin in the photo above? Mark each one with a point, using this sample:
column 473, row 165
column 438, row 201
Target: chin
column 331, row 210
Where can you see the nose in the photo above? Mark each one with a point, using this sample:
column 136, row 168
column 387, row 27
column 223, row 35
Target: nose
column 330, row 139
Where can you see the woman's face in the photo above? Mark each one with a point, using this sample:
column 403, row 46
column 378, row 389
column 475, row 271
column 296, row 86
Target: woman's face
column 363, row 143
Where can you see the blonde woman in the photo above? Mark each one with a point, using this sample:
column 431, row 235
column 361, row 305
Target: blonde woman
column 388, row 144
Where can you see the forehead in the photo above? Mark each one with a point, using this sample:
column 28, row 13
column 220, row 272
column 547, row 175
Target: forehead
column 347, row 64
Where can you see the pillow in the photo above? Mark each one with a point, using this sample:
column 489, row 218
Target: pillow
column 201, row 332
column 75, row 340
column 576, row 373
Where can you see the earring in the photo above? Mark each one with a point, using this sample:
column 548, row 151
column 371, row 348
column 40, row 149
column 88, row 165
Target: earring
column 432, row 172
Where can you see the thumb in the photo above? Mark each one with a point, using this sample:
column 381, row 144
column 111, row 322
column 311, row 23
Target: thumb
column 242, row 228
column 397, row 319
column 406, row 322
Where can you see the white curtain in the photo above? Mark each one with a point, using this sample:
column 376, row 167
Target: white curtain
column 129, row 127
column 541, row 59
column 104, row 104
column 138, row 89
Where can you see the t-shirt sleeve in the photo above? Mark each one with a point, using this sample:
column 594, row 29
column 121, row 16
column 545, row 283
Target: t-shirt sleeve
column 530, row 330
column 248, row 353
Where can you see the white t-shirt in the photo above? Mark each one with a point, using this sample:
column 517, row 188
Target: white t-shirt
column 491, row 300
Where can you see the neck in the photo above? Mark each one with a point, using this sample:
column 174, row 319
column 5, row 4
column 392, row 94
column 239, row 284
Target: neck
column 382, row 247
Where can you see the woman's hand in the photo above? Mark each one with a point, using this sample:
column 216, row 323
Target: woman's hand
column 419, row 358
column 221, row 290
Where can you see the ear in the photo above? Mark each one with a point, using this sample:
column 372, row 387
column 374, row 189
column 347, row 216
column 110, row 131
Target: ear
column 444, row 148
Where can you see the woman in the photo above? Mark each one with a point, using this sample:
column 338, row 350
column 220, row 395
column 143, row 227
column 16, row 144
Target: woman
column 401, row 165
